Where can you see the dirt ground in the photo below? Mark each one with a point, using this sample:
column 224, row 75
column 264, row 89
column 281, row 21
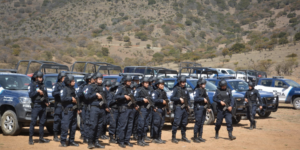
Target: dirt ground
column 279, row 131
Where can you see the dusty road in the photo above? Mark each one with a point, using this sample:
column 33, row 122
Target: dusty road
column 279, row 131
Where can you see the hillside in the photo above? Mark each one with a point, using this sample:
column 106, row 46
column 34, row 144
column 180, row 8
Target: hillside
column 138, row 32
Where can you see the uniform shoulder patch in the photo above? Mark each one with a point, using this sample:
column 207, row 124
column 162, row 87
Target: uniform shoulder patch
column 53, row 88
column 61, row 92
column 28, row 88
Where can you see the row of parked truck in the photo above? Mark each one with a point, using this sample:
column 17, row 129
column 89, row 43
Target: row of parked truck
column 15, row 108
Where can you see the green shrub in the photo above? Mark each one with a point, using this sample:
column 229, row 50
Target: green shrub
column 188, row 22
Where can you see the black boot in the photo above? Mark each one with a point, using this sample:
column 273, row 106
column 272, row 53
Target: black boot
column 251, row 126
column 195, row 139
column 254, row 125
column 112, row 140
column 147, row 139
column 98, row 145
column 90, row 144
column 231, row 137
column 174, row 140
column 42, row 140
column 184, row 139
column 85, row 140
column 63, row 145
column 139, row 141
column 105, row 137
column 143, row 141
column 30, row 140
column 162, row 141
column 55, row 138
column 122, row 145
column 135, row 137
column 217, row 135
column 73, row 144
column 128, row 144
column 156, row 140
column 200, row 139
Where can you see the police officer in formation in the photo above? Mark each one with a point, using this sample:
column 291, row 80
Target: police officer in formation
column 83, row 126
column 160, row 100
column 114, row 110
column 134, row 86
column 200, row 105
column 225, row 102
column 180, row 93
column 58, row 105
column 96, row 93
column 107, row 114
column 38, row 94
column 251, row 96
column 142, row 96
column 69, row 114
column 125, row 122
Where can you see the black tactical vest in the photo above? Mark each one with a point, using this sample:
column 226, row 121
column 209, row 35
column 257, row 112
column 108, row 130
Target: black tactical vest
column 252, row 95
column 98, row 89
column 41, row 87
column 224, row 95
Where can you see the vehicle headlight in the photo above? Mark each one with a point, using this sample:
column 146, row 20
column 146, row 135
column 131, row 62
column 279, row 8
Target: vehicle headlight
column 25, row 100
column 269, row 98
column 239, row 99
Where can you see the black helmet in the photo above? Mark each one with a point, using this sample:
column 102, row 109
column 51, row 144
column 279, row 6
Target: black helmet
column 251, row 84
column 114, row 86
column 159, row 81
column 107, row 83
column 201, row 81
column 60, row 76
column 134, row 85
column 222, row 83
column 127, row 78
column 181, row 79
column 153, row 79
column 68, row 79
column 136, row 78
column 145, row 79
column 37, row 74
column 97, row 75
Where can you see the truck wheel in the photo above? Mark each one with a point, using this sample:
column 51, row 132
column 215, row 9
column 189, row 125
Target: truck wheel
column 296, row 103
column 210, row 118
column 78, row 121
column 237, row 120
column 10, row 124
column 50, row 128
column 264, row 115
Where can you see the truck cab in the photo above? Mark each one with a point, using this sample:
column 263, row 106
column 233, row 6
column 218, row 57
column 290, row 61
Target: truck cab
column 287, row 90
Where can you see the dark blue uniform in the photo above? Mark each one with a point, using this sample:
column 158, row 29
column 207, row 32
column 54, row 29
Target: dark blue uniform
column 97, row 114
column 126, row 115
column 143, row 123
column 158, row 117
column 223, row 95
column 69, row 115
column 252, row 96
column 199, row 111
column 135, row 121
column 180, row 114
column 83, row 103
column 39, row 107
column 114, row 110
column 58, row 106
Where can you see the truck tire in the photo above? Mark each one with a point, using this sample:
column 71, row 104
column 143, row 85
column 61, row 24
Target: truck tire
column 210, row 118
column 296, row 103
column 10, row 124
column 237, row 120
column 50, row 128
column 264, row 115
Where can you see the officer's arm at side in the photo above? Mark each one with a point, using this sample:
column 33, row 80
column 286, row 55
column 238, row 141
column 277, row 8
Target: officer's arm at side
column 259, row 98
column 55, row 91
column 197, row 97
column 91, row 94
column 156, row 99
column 119, row 95
column 32, row 91
column 173, row 98
column 231, row 99
column 137, row 96
column 215, row 98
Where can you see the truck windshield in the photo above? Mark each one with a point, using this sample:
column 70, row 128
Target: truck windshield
column 13, row 82
column 209, row 85
column 231, row 72
column 239, row 85
column 292, row 83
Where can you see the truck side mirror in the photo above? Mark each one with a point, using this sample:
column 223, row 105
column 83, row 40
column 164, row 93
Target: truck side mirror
column 285, row 86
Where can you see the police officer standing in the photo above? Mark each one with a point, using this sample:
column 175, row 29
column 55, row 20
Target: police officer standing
column 114, row 110
column 126, row 115
column 142, row 96
column 69, row 116
column 200, row 101
column 159, row 97
column 225, row 102
column 134, row 86
column 83, row 102
column 38, row 94
column 107, row 85
column 96, row 95
column 250, row 97
column 58, row 107
column 180, row 93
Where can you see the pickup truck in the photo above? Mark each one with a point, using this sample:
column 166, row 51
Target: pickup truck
column 240, row 87
column 15, row 108
column 287, row 90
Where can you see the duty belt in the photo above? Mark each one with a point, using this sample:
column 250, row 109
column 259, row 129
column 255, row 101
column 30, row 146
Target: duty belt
column 98, row 106
column 70, row 109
